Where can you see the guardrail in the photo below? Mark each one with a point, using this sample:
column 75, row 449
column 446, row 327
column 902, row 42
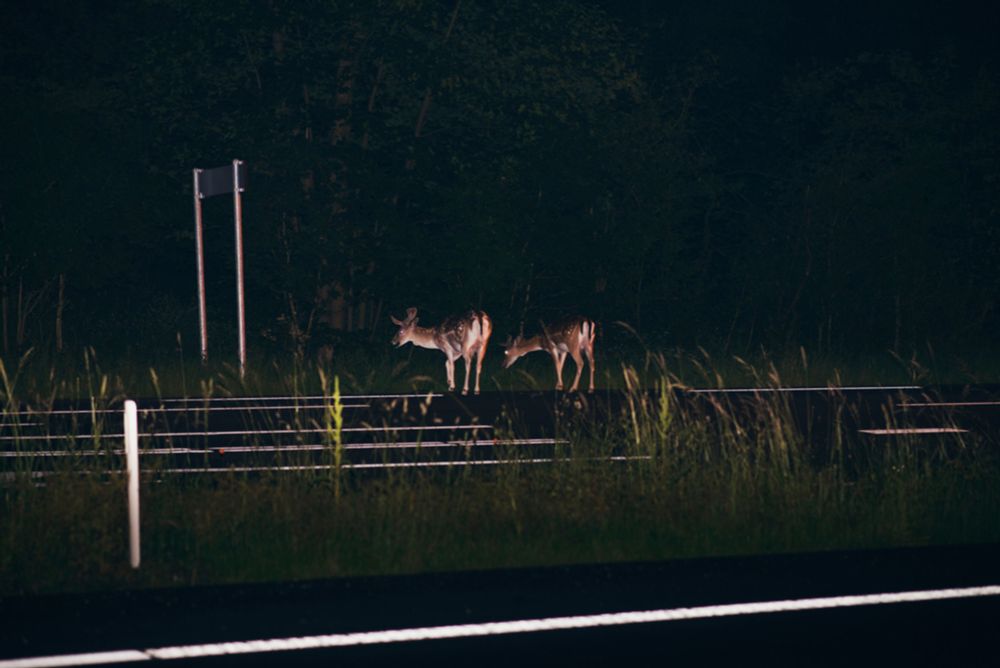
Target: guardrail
column 34, row 427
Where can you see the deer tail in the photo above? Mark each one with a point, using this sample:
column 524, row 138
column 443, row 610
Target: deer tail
column 485, row 327
column 588, row 331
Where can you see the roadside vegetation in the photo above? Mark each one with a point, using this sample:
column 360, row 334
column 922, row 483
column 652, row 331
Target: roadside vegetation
column 746, row 482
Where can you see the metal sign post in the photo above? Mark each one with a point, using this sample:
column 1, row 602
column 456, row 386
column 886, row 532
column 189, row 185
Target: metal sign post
column 207, row 183
column 238, row 216
column 199, row 244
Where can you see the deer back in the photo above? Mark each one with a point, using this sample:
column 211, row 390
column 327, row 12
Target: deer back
column 459, row 333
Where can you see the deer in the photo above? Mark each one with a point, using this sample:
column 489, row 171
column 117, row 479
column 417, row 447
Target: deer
column 572, row 336
column 463, row 336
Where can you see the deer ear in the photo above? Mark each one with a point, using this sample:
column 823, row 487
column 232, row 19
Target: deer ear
column 398, row 323
column 411, row 314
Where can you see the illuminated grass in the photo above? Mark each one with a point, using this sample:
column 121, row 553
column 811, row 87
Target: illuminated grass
column 742, row 482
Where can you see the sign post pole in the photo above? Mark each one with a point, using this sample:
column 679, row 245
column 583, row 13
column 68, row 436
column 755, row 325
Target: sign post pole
column 208, row 183
column 238, row 216
column 200, row 247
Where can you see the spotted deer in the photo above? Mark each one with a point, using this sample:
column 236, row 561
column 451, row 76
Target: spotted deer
column 573, row 336
column 463, row 336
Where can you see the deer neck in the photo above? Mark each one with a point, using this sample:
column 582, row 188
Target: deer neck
column 531, row 344
column 423, row 337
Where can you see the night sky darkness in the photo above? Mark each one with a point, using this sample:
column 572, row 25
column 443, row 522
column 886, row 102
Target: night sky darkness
column 725, row 173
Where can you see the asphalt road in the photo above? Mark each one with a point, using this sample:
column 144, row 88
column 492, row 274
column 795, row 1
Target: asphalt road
column 953, row 631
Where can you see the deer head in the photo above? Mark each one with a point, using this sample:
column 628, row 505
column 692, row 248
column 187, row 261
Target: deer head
column 512, row 350
column 406, row 327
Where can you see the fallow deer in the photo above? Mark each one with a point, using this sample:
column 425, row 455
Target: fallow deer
column 463, row 336
column 573, row 336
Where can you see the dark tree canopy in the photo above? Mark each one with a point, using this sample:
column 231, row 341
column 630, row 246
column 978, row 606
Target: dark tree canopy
column 716, row 173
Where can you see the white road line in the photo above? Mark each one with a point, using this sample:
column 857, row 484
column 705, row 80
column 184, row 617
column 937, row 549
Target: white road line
column 249, row 647
column 90, row 659
column 918, row 431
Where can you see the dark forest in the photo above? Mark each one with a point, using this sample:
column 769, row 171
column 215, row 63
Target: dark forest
column 727, row 174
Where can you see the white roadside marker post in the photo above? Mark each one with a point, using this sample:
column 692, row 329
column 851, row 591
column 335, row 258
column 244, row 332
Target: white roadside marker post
column 132, row 467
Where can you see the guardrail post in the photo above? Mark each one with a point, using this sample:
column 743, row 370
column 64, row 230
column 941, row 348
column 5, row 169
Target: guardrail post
column 132, row 466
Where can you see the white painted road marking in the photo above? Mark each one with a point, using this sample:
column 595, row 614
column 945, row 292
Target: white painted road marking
column 497, row 628
column 90, row 659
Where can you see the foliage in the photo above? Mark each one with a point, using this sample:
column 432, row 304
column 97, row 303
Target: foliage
column 665, row 166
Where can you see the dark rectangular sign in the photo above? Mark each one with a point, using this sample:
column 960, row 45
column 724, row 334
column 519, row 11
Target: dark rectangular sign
column 219, row 181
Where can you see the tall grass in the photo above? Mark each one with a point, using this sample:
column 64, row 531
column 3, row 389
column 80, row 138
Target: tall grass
column 333, row 425
column 712, row 476
column 364, row 369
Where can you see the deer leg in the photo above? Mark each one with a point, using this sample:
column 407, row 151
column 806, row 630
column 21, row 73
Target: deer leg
column 589, row 350
column 479, row 364
column 559, row 358
column 468, row 371
column 449, row 366
column 579, row 369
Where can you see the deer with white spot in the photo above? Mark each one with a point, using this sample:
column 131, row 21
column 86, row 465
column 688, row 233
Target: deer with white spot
column 462, row 336
column 573, row 337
